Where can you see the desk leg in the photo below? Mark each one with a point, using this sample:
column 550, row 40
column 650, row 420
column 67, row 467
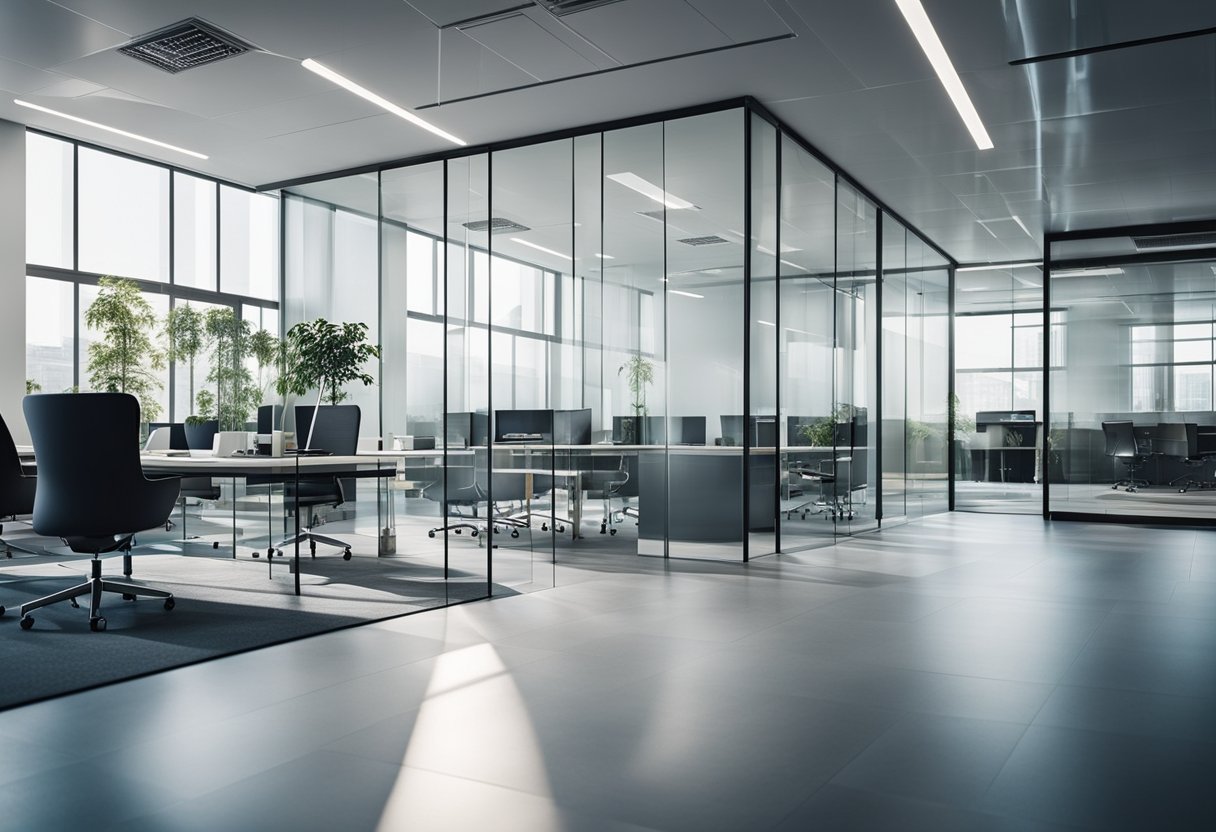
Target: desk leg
column 295, row 561
column 527, row 496
column 234, row 518
column 576, row 508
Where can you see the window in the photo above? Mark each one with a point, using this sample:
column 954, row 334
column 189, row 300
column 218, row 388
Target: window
column 249, row 243
column 50, row 340
column 1172, row 367
column 999, row 360
column 193, row 232
column 48, row 201
column 124, row 217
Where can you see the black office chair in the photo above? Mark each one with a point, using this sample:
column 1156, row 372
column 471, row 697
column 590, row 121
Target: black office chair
column 17, row 485
column 462, row 491
column 1181, row 441
column 92, row 491
column 606, row 485
column 336, row 430
column 197, row 488
column 1121, row 444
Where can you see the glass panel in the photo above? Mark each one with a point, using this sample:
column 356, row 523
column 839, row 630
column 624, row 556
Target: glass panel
column 124, row 217
column 807, row 331
column 249, row 243
column 48, row 201
column 50, row 340
column 152, row 407
column 190, row 375
column 193, row 232
column 928, row 366
column 762, row 333
column 705, row 336
column 894, row 370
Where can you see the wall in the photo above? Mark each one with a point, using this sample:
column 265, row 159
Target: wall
column 12, row 277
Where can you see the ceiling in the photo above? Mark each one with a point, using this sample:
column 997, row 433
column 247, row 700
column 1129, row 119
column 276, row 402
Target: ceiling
column 1111, row 138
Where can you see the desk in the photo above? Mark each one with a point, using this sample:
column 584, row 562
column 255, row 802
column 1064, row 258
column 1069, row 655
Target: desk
column 282, row 469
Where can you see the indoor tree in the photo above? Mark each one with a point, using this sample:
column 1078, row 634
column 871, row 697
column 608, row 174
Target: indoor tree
column 639, row 374
column 184, row 331
column 236, row 393
column 123, row 359
column 325, row 356
column 265, row 349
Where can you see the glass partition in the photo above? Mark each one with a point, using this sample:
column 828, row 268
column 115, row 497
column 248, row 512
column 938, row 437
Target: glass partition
column 1131, row 427
column 894, row 408
column 928, row 364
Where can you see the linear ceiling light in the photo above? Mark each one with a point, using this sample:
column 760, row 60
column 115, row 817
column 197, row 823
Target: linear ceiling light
column 649, row 189
column 540, row 248
column 109, row 129
column 685, row 294
column 604, row 256
column 991, row 267
column 1086, row 272
column 347, row 84
column 915, row 14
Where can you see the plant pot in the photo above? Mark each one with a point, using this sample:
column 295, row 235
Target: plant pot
column 201, row 436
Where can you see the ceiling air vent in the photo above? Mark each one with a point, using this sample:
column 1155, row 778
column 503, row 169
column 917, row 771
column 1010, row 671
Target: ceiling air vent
column 564, row 7
column 707, row 240
column 1202, row 238
column 496, row 225
column 185, row 45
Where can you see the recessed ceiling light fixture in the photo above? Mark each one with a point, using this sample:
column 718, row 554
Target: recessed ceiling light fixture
column 604, row 256
column 649, row 189
column 926, row 35
column 110, row 129
column 366, row 94
column 991, row 267
column 540, row 248
column 1086, row 272
column 685, row 294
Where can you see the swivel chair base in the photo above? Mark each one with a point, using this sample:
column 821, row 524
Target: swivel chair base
column 312, row 539
column 94, row 587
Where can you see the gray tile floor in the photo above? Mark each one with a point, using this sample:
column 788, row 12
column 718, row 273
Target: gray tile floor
column 963, row 672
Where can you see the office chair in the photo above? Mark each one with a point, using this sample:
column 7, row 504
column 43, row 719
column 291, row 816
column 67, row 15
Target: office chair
column 462, row 490
column 1121, row 444
column 337, row 431
column 512, row 488
column 172, row 436
column 1181, row 440
column 17, row 486
column 606, row 485
column 94, row 494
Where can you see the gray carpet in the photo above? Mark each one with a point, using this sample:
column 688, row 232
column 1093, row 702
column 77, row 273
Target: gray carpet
column 223, row 606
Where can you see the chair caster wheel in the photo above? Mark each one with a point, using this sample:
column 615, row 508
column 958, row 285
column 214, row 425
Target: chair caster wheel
column 603, row 529
column 473, row 533
column 215, row 544
column 431, row 535
column 97, row 624
column 75, row 604
column 1, row 609
column 27, row 621
column 457, row 531
column 612, row 531
column 258, row 554
column 515, row 533
column 170, row 603
column 346, row 555
column 561, row 529
column 544, row 527
column 126, row 596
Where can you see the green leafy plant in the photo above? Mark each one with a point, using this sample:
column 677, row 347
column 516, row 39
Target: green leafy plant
column 123, row 359
column 185, row 329
column 639, row 375
column 204, row 408
column 918, row 430
column 324, row 356
column 236, row 393
column 32, row 386
column 265, row 350
column 822, row 432
column 961, row 425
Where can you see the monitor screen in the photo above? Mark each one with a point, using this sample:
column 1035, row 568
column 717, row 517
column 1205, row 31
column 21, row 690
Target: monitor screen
column 523, row 426
column 572, row 427
column 687, row 430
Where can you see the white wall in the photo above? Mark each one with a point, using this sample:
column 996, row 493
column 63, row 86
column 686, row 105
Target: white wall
column 12, row 277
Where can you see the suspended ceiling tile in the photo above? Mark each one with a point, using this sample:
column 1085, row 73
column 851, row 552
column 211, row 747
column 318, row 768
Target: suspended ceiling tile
column 42, row 34
column 642, row 30
column 869, row 37
column 468, row 68
column 521, row 41
column 1048, row 26
column 22, row 79
column 447, row 12
column 207, row 91
column 68, row 88
column 305, row 113
column 741, row 21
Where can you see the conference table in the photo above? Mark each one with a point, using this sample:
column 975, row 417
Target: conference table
column 287, row 469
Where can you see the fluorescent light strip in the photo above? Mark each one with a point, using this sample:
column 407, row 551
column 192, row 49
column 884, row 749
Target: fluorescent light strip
column 685, row 294
column 651, row 190
column 364, row 93
column 107, row 128
column 1022, row 226
column 604, row 256
column 1085, row 272
column 766, row 323
column 921, row 26
column 540, row 248
column 992, row 267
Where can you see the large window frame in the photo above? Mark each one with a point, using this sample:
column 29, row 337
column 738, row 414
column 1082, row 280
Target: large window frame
column 177, row 293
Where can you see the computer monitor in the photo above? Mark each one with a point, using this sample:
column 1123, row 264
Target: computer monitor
column 572, row 427
column 763, row 430
column 687, row 430
column 523, row 425
column 467, row 430
column 270, row 418
column 177, row 434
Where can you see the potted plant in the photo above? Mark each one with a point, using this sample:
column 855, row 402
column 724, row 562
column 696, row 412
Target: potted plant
column 324, row 356
column 184, row 332
column 202, row 426
column 639, row 374
column 122, row 360
column 822, row 432
column 32, row 386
